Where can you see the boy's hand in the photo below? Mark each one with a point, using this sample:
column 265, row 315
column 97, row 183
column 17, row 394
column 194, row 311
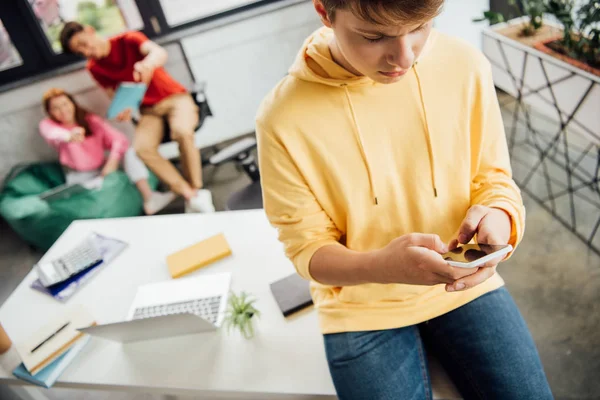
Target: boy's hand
column 111, row 166
column 492, row 226
column 142, row 72
column 124, row 116
column 415, row 259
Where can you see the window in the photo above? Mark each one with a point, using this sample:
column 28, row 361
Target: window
column 30, row 29
column 181, row 11
column 108, row 17
column 9, row 56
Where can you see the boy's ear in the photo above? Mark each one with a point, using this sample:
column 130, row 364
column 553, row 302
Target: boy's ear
column 320, row 8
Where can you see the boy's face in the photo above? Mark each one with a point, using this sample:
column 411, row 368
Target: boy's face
column 382, row 53
column 88, row 44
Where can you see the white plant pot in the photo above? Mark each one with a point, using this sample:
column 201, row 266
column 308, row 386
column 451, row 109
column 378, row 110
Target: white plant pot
column 568, row 84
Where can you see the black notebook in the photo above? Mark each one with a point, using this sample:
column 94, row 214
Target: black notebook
column 292, row 294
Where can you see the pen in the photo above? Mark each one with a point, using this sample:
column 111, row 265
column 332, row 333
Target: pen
column 50, row 337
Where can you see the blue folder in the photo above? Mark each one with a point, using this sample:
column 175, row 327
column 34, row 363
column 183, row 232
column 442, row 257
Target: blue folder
column 128, row 95
column 49, row 374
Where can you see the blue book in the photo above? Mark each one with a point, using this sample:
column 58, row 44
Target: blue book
column 128, row 95
column 47, row 376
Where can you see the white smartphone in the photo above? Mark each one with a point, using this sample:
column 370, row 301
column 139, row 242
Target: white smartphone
column 474, row 255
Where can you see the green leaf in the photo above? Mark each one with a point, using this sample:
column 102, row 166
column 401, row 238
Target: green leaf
column 492, row 17
column 240, row 314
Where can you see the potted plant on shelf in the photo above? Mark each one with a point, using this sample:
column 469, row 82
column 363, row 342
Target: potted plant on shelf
column 533, row 9
column 579, row 43
column 550, row 58
column 575, row 39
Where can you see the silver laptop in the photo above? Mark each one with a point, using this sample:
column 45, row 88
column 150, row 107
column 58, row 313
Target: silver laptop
column 176, row 307
column 72, row 188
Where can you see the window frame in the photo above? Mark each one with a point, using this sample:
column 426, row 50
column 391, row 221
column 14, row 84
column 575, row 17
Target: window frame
column 206, row 18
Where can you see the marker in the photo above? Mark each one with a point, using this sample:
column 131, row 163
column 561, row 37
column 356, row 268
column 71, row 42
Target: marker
column 50, row 337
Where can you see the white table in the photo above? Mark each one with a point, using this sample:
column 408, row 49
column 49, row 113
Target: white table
column 285, row 359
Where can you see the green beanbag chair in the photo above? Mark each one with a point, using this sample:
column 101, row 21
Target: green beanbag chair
column 40, row 222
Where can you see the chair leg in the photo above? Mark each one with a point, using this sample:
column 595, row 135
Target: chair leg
column 250, row 167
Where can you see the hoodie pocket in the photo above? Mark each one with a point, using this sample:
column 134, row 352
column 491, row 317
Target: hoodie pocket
column 373, row 293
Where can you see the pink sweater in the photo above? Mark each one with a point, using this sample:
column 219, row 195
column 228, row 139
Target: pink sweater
column 89, row 154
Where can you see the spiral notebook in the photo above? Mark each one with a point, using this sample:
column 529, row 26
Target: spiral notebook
column 128, row 95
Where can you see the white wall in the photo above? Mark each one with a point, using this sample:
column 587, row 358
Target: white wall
column 242, row 62
column 456, row 19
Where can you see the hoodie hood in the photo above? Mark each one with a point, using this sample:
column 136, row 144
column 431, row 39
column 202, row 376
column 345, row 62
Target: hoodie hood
column 315, row 63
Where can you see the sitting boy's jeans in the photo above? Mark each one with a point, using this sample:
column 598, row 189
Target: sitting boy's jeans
column 484, row 346
column 181, row 114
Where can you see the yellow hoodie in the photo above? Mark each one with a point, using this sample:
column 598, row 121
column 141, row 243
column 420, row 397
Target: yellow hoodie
column 347, row 161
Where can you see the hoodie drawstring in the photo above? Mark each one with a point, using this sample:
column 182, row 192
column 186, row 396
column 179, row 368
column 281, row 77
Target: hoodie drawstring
column 360, row 142
column 427, row 133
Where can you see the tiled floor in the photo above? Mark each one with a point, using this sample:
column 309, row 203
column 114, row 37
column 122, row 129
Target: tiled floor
column 553, row 277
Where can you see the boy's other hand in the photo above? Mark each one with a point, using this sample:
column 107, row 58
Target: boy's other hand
column 142, row 72
column 492, row 226
column 124, row 116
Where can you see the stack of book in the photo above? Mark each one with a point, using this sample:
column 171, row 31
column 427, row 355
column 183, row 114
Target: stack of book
column 292, row 294
column 50, row 350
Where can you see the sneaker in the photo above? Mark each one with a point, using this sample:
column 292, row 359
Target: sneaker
column 202, row 203
column 158, row 201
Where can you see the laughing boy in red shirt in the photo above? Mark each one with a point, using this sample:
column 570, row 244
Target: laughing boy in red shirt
column 132, row 57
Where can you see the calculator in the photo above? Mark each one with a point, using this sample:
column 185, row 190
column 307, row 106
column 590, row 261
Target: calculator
column 82, row 257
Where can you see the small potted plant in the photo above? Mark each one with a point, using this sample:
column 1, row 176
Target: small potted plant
column 241, row 314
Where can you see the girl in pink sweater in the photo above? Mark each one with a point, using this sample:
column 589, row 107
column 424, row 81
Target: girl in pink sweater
column 82, row 138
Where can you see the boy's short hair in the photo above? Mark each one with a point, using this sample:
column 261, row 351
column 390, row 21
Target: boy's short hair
column 67, row 33
column 387, row 12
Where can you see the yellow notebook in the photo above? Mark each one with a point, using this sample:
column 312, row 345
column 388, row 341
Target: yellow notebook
column 198, row 255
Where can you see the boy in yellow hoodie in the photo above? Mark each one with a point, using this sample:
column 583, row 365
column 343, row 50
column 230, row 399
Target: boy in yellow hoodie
column 382, row 149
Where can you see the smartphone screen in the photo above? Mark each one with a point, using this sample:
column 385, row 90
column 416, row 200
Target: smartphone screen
column 472, row 252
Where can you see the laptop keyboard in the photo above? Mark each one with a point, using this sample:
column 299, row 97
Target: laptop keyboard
column 207, row 308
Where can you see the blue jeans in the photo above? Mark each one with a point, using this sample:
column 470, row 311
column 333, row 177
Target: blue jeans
column 484, row 346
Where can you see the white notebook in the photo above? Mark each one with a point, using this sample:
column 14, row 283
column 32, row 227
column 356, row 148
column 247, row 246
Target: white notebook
column 53, row 339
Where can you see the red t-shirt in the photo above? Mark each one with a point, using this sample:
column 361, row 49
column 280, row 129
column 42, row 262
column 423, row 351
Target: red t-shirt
column 117, row 67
